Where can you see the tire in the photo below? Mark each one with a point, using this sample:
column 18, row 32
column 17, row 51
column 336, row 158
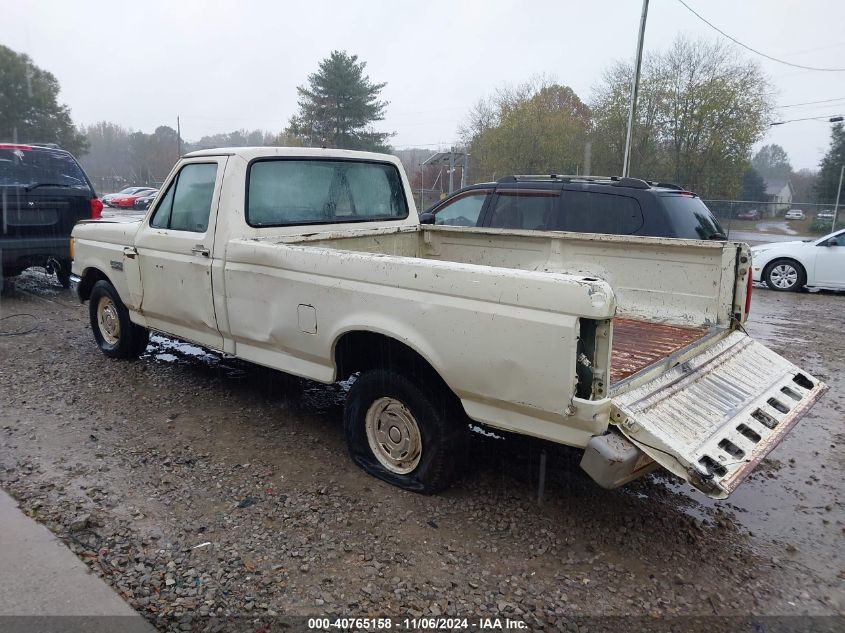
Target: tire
column 7, row 285
column 116, row 335
column 785, row 275
column 63, row 274
column 430, row 460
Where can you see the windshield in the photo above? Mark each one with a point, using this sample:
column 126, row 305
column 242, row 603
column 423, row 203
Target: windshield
column 28, row 167
column 691, row 219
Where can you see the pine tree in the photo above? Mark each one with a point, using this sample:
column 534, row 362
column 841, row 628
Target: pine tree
column 830, row 166
column 339, row 105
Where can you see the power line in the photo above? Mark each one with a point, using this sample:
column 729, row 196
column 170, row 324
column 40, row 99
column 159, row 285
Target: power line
column 810, row 118
column 795, row 105
column 755, row 51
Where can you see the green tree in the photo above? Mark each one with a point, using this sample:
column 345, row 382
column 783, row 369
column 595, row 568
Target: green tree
column 830, row 167
column 701, row 109
column 108, row 162
column 339, row 105
column 804, row 185
column 539, row 127
column 238, row 138
column 29, row 107
column 772, row 162
column 753, row 186
column 153, row 155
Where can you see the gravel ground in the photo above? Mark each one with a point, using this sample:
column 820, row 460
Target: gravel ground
column 198, row 486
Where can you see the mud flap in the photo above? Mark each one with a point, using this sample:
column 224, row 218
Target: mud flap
column 711, row 419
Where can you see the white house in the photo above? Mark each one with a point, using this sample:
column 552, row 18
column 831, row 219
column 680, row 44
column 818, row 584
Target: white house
column 780, row 193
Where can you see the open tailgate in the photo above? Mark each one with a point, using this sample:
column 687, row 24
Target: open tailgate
column 710, row 419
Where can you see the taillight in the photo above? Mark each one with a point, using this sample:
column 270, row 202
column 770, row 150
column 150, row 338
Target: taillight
column 748, row 294
column 96, row 208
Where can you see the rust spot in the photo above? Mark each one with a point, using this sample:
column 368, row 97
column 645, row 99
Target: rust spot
column 638, row 344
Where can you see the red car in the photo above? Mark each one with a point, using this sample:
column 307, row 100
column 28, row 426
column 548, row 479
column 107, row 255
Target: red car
column 126, row 202
column 751, row 214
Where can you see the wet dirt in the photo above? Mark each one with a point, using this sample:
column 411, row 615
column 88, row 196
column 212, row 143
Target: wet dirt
column 218, row 487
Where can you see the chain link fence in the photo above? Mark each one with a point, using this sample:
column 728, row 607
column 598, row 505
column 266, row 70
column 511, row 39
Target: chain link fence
column 807, row 218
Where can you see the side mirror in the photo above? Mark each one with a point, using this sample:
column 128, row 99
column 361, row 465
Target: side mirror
column 427, row 218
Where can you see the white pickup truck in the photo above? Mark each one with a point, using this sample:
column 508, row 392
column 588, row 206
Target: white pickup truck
column 314, row 262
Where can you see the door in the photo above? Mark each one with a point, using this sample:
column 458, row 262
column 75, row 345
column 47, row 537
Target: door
column 464, row 209
column 830, row 262
column 711, row 419
column 530, row 209
column 174, row 250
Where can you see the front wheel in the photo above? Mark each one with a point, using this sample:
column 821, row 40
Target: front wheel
column 114, row 331
column 785, row 275
column 401, row 433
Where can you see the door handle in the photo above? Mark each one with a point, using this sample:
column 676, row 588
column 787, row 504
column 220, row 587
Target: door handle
column 129, row 252
column 199, row 249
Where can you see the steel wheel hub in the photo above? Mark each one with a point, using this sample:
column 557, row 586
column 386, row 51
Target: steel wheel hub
column 784, row 276
column 393, row 435
column 108, row 320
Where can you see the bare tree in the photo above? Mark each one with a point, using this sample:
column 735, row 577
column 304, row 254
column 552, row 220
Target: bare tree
column 702, row 107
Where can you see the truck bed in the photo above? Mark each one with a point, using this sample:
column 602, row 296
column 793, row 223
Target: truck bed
column 638, row 344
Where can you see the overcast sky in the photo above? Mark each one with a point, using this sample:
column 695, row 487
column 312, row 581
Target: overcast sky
column 229, row 65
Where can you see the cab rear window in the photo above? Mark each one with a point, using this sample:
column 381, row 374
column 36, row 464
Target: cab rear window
column 283, row 192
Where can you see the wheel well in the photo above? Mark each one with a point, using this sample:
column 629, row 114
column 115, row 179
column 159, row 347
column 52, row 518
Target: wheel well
column 89, row 278
column 360, row 351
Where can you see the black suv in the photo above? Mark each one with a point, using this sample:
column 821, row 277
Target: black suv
column 43, row 193
column 586, row 204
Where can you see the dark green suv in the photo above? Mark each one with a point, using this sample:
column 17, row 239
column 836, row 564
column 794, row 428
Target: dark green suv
column 585, row 204
column 43, row 193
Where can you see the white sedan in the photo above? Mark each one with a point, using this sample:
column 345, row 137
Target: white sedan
column 793, row 265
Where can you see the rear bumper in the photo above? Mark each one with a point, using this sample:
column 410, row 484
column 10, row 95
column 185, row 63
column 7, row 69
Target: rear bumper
column 21, row 250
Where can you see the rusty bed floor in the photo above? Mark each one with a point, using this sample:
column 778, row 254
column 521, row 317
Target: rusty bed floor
column 638, row 344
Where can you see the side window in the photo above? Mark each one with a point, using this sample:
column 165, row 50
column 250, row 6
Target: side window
column 591, row 212
column 187, row 204
column 161, row 217
column 837, row 240
column 464, row 211
column 527, row 209
column 192, row 200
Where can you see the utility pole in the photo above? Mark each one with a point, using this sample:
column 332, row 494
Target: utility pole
column 838, row 191
column 179, row 136
column 635, row 88
column 452, row 169
column 422, row 185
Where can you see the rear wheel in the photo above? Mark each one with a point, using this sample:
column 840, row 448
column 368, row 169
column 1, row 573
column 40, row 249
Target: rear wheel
column 114, row 332
column 785, row 275
column 63, row 274
column 403, row 433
